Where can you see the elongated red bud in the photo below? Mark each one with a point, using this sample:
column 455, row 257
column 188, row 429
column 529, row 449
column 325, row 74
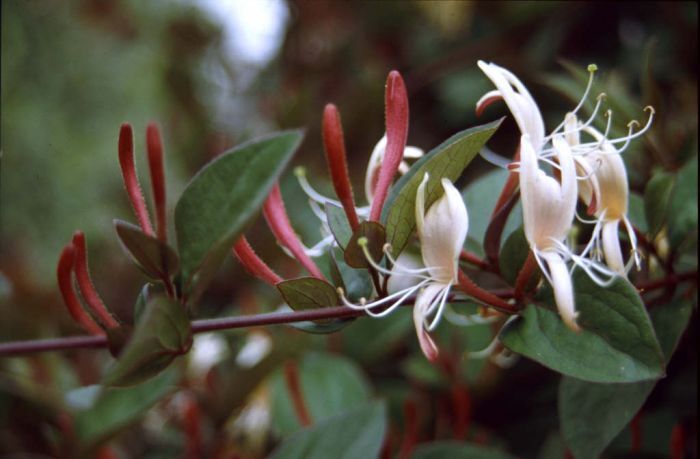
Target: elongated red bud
column 87, row 288
column 253, row 264
column 396, row 103
column 154, row 148
column 337, row 162
column 278, row 221
column 131, row 181
column 65, row 285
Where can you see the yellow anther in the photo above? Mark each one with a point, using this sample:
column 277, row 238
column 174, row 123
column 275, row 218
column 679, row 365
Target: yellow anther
column 592, row 68
column 362, row 241
column 300, row 171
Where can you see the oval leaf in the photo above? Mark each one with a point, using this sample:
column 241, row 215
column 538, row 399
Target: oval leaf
column 222, row 199
column 376, row 238
column 358, row 434
column 330, row 385
column 617, row 342
column 591, row 415
column 447, row 160
column 338, row 223
column 116, row 408
column 157, row 259
column 308, row 293
column 161, row 335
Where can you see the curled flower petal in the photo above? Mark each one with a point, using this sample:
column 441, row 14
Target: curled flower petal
column 563, row 289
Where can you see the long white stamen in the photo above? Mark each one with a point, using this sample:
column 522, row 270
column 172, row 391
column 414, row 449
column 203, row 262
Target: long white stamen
column 591, row 72
column 300, row 173
column 441, row 308
column 633, row 242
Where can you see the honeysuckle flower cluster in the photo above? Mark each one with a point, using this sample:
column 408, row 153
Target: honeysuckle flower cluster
column 592, row 170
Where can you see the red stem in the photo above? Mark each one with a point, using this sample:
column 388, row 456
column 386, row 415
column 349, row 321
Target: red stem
column 131, row 181
column 470, row 288
column 337, row 162
column 474, row 260
column 291, row 377
column 529, row 268
column 410, row 438
column 396, row 105
column 278, row 221
column 677, row 447
column 253, row 264
column 154, row 148
column 87, row 288
column 65, row 285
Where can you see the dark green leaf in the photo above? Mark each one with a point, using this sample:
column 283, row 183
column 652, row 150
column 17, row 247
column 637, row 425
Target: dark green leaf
column 656, row 196
column 376, row 238
column 457, row 450
column 308, row 293
column 513, row 255
column 683, row 205
column 330, row 385
column 117, row 338
column 355, row 434
column 157, row 259
column 338, row 223
column 117, row 408
column 159, row 337
column 222, row 199
column 617, row 342
column 447, row 160
column 591, row 415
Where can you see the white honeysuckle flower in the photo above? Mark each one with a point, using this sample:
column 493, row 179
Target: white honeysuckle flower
column 529, row 119
column 400, row 281
column 316, row 199
column 548, row 213
column 605, row 189
column 442, row 231
column 517, row 98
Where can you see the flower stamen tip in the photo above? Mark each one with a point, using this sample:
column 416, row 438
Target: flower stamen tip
column 300, row 171
column 362, row 242
column 592, row 68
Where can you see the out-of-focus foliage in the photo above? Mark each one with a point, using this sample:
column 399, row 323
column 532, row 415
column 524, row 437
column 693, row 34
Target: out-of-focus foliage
column 73, row 71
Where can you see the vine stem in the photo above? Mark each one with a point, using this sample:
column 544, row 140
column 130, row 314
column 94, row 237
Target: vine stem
column 15, row 348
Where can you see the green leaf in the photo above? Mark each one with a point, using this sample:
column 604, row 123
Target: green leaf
column 656, row 196
column 116, row 408
column 338, row 223
column 330, row 385
column 447, row 160
column 480, row 197
column 616, row 344
column 591, row 415
column 513, row 255
column 222, row 199
column 157, row 259
column 159, row 337
column 356, row 434
column 356, row 282
column 376, row 238
column 457, row 450
column 683, row 205
column 308, row 293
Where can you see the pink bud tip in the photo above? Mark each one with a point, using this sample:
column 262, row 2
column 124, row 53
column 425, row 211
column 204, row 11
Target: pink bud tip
column 65, row 285
column 154, row 148
column 337, row 162
column 396, row 106
column 87, row 288
column 131, row 182
column 278, row 221
column 253, row 264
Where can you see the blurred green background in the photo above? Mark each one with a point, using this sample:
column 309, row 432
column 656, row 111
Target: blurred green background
column 214, row 74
